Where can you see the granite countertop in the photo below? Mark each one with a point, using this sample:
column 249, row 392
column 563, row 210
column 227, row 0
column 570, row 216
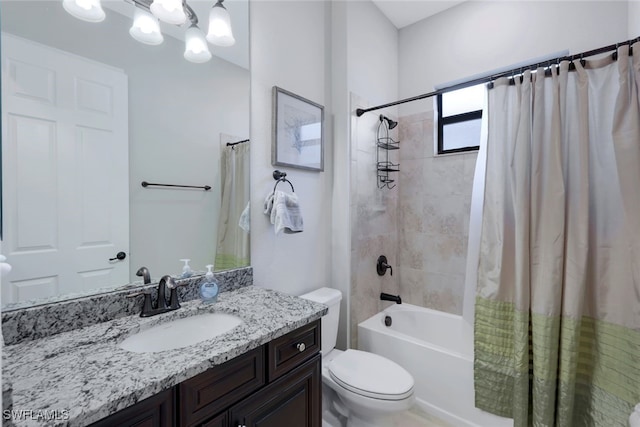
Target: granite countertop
column 83, row 375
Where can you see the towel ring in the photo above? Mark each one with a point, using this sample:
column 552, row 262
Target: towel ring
column 281, row 177
column 283, row 180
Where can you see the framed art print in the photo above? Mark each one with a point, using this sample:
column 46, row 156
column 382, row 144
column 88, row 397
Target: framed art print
column 298, row 132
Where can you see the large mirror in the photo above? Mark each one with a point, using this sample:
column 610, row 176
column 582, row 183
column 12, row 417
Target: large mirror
column 88, row 115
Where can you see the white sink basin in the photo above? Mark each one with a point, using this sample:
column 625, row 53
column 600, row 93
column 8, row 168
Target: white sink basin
column 181, row 333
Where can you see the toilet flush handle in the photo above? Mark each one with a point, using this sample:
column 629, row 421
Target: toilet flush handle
column 301, row 347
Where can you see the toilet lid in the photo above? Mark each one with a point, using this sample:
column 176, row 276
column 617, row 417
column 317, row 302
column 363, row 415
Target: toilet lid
column 371, row 375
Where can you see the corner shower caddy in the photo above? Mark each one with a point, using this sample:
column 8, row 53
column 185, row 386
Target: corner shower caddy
column 385, row 144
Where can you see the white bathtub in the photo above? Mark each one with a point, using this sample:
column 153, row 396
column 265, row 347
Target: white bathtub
column 437, row 349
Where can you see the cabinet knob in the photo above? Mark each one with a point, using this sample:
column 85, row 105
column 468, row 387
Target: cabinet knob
column 301, row 347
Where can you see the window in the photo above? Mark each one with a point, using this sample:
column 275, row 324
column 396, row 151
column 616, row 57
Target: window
column 459, row 116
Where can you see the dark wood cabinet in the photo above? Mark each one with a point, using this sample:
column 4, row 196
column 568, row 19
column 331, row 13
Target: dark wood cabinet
column 211, row 392
column 292, row 400
column 288, row 351
column 275, row 385
column 220, row 421
column 156, row 411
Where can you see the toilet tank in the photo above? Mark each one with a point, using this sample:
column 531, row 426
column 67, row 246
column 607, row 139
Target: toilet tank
column 329, row 323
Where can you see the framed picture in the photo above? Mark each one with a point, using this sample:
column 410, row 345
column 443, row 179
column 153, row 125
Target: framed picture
column 298, row 132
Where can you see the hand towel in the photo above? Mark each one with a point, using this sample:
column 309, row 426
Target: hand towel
column 285, row 213
column 268, row 204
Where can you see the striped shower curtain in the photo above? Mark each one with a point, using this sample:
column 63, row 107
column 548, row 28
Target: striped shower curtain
column 557, row 314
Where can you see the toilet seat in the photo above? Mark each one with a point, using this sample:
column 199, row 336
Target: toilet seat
column 368, row 374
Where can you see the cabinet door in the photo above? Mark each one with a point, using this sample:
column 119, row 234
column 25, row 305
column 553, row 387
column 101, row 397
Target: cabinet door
column 292, row 400
column 219, row 421
column 156, row 411
column 213, row 391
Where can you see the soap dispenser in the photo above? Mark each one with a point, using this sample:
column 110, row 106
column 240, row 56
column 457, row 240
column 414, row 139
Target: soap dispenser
column 186, row 269
column 209, row 287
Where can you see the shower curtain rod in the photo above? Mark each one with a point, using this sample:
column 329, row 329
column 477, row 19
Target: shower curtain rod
column 509, row 73
column 231, row 144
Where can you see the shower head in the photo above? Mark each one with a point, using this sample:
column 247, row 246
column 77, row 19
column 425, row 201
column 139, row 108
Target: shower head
column 390, row 123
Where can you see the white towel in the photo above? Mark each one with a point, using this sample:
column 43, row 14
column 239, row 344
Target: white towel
column 268, row 204
column 244, row 221
column 284, row 212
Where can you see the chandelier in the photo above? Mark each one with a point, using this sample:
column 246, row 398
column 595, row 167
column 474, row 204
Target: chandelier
column 146, row 25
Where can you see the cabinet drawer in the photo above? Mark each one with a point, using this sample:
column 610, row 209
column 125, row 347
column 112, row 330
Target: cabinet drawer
column 220, row 387
column 288, row 351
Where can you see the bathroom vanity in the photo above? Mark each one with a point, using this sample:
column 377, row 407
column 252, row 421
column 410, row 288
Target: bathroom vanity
column 276, row 384
column 265, row 372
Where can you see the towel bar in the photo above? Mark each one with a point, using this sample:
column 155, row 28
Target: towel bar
column 146, row 184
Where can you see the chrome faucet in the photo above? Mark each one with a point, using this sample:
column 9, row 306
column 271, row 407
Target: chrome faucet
column 148, row 308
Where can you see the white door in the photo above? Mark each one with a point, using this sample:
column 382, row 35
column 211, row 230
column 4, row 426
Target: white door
column 65, row 172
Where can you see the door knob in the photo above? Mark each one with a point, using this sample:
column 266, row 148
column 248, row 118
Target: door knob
column 119, row 256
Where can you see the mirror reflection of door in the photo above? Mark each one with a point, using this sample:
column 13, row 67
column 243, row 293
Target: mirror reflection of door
column 65, row 171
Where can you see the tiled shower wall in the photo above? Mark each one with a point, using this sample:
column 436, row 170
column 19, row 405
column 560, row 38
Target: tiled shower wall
column 374, row 223
column 433, row 222
column 421, row 225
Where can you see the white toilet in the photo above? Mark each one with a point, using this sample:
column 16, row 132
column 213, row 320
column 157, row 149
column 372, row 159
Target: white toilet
column 369, row 387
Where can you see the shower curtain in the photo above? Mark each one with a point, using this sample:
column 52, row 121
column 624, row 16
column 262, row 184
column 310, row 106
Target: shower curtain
column 557, row 314
column 233, row 240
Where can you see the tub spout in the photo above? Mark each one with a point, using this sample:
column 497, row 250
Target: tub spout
column 389, row 297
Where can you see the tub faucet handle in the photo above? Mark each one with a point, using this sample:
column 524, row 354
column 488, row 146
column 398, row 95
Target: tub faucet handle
column 382, row 266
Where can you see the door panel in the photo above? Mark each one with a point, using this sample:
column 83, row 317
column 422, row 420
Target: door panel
column 35, row 184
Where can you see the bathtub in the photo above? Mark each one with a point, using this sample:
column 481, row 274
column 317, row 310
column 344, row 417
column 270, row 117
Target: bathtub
column 437, row 349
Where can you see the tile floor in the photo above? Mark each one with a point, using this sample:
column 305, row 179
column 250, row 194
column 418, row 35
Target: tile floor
column 416, row 418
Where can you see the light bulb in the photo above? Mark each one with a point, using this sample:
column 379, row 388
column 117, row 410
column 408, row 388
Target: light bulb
column 220, row 32
column 145, row 28
column 87, row 10
column 169, row 11
column 196, row 49
column 84, row 4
